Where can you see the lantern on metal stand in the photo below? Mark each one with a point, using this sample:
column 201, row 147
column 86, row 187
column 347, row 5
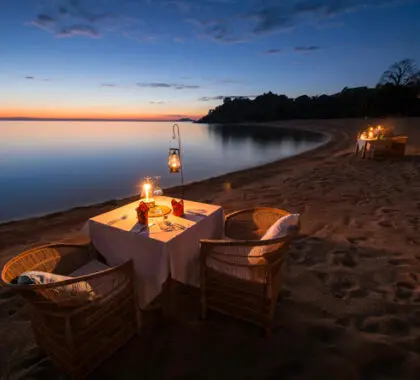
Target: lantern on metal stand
column 174, row 160
column 175, row 157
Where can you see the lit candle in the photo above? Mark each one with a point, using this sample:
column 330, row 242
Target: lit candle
column 146, row 187
column 370, row 134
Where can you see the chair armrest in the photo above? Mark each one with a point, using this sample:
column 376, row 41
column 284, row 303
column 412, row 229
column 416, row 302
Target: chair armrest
column 207, row 243
column 209, row 248
column 127, row 267
column 250, row 210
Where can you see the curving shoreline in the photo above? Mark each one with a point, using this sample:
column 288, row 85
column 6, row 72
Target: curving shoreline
column 326, row 136
column 32, row 224
column 349, row 306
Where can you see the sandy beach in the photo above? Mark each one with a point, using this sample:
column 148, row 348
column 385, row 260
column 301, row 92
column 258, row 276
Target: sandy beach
column 350, row 304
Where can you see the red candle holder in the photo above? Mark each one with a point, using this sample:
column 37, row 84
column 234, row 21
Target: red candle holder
column 143, row 214
column 177, row 207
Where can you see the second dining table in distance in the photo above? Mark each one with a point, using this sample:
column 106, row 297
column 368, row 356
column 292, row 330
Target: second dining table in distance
column 157, row 252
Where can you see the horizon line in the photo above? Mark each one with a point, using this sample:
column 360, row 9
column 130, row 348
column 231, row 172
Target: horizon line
column 24, row 118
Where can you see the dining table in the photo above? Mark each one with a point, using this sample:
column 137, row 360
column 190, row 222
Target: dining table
column 168, row 248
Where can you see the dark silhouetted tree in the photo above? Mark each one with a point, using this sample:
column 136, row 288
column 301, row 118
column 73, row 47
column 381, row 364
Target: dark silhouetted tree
column 402, row 73
column 398, row 94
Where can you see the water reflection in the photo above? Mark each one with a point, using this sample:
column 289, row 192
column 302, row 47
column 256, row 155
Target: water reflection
column 53, row 166
column 261, row 136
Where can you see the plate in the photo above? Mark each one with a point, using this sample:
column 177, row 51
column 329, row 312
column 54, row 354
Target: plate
column 159, row 210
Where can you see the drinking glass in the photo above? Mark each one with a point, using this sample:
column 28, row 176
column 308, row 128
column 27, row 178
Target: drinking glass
column 157, row 190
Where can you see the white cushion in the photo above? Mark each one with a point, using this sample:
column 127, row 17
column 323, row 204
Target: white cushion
column 279, row 229
column 71, row 294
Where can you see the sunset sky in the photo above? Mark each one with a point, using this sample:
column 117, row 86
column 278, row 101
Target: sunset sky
column 166, row 59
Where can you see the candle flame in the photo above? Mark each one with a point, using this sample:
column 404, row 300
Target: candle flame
column 146, row 187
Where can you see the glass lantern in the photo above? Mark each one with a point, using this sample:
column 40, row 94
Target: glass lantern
column 174, row 160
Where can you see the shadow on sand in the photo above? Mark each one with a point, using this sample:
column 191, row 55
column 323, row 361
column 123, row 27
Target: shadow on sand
column 343, row 314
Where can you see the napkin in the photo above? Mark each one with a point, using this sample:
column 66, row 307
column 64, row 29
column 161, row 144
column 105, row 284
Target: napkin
column 178, row 207
column 143, row 213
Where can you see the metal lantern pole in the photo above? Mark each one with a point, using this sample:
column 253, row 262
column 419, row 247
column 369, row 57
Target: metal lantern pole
column 175, row 128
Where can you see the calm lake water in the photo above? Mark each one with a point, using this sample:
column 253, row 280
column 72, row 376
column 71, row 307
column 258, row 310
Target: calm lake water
column 52, row 166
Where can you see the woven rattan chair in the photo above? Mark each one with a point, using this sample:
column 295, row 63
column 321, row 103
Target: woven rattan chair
column 236, row 284
column 77, row 334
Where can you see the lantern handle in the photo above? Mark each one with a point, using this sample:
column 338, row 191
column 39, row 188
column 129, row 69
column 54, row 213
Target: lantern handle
column 175, row 128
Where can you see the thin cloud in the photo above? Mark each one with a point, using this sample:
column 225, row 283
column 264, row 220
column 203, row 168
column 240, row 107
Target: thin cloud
column 185, row 87
column 306, row 49
column 220, row 31
column 30, row 77
column 108, row 85
column 140, row 37
column 272, row 19
column 78, row 30
column 255, row 20
column 230, row 81
column 273, row 51
column 210, row 98
column 221, row 97
column 43, row 21
column 75, row 19
column 237, row 21
column 168, row 85
column 225, row 39
column 158, row 102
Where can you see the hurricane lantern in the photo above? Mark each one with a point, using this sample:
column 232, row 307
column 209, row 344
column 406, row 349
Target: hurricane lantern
column 175, row 156
column 174, row 160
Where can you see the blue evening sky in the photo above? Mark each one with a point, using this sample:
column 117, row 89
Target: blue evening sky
column 161, row 58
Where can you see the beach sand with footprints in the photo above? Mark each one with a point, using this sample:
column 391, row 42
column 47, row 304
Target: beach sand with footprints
column 350, row 303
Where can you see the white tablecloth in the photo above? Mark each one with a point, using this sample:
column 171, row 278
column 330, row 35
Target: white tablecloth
column 156, row 253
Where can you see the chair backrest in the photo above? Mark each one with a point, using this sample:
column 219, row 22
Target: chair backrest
column 72, row 292
column 54, row 258
column 251, row 224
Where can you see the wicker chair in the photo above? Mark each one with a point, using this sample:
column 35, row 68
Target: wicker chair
column 77, row 334
column 235, row 283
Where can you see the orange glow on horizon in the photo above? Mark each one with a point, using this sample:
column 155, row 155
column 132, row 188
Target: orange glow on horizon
column 77, row 114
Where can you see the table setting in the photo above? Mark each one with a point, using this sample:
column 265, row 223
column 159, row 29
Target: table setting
column 160, row 234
